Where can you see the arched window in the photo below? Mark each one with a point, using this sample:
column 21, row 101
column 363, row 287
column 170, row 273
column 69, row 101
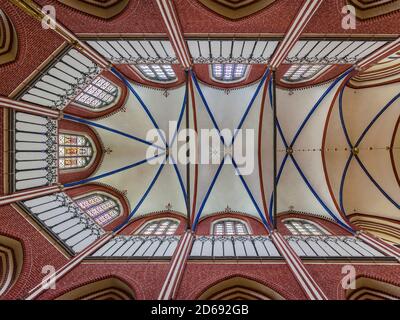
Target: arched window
column 303, row 72
column 99, row 207
column 97, row 95
column 230, row 228
column 74, row 151
column 157, row 72
column 228, row 72
column 303, row 228
column 162, row 227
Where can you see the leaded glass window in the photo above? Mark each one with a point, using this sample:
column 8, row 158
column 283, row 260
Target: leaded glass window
column 99, row 94
column 157, row 72
column 74, row 151
column 229, row 228
column 303, row 228
column 99, row 207
column 160, row 228
column 303, row 72
column 229, row 72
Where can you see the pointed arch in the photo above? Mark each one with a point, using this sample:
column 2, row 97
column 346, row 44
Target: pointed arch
column 11, row 259
column 239, row 288
column 373, row 289
column 106, row 289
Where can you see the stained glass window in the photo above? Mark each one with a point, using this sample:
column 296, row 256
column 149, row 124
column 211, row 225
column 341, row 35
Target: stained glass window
column 303, row 228
column 99, row 94
column 303, row 72
column 229, row 72
column 230, row 228
column 157, row 72
column 99, row 207
column 160, row 228
column 74, row 151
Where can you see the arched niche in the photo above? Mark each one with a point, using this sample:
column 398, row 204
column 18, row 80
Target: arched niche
column 8, row 40
column 105, row 9
column 239, row 288
column 107, row 289
column 11, row 261
column 372, row 289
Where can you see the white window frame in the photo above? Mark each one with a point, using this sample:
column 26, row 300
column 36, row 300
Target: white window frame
column 250, row 232
column 245, row 75
column 144, row 226
column 324, row 69
column 317, row 225
column 141, row 74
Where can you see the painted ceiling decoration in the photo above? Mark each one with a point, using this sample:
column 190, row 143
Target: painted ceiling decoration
column 135, row 51
column 304, row 163
column 105, row 9
column 366, row 9
column 9, row 40
column 334, row 51
column 11, row 259
column 206, row 51
column 384, row 72
column 236, row 9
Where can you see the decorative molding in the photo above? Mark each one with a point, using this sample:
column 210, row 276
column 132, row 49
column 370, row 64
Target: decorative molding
column 366, row 9
column 8, row 40
column 105, row 9
column 236, row 9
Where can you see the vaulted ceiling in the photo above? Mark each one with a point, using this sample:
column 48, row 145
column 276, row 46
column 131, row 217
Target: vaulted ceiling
column 338, row 137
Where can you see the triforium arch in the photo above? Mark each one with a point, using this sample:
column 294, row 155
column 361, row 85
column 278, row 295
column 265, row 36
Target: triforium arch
column 11, row 262
column 111, row 288
column 239, row 288
column 366, row 288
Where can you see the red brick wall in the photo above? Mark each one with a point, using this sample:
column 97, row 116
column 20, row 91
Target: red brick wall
column 37, row 250
column 145, row 279
column 199, row 277
column 329, row 276
column 2, row 153
column 138, row 17
column 35, row 45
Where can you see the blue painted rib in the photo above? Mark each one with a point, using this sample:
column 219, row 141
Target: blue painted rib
column 342, row 181
column 260, row 213
column 317, row 104
column 359, row 140
column 207, row 106
column 376, row 183
column 253, row 98
column 178, row 125
column 207, row 194
column 318, row 197
column 76, row 183
column 141, row 200
column 277, row 121
column 341, row 115
column 182, row 185
column 97, row 125
column 141, row 102
column 271, row 200
column 393, row 100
